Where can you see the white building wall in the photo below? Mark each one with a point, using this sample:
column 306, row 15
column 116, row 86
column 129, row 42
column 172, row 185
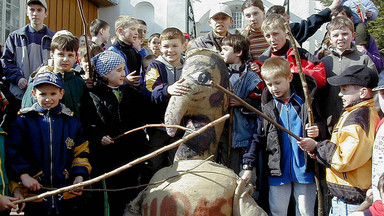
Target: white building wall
column 160, row 14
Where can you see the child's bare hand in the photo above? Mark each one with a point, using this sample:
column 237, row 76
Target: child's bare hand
column 334, row 4
column 307, row 144
column 132, row 79
column 30, row 183
column 178, row 88
column 23, row 83
column 6, row 203
column 234, row 102
column 106, row 140
column 312, row 131
column 19, row 196
column 78, row 191
column 254, row 67
column 246, row 176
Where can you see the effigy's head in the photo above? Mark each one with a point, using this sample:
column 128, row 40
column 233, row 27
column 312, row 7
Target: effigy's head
column 202, row 104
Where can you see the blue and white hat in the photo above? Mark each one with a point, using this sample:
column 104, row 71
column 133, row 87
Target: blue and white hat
column 47, row 78
column 106, row 61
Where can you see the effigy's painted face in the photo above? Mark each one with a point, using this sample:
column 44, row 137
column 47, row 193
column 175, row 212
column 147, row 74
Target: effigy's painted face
column 202, row 104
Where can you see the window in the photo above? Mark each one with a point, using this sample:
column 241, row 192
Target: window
column 12, row 17
column 237, row 20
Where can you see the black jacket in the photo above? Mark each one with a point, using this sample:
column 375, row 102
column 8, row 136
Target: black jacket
column 103, row 115
column 273, row 134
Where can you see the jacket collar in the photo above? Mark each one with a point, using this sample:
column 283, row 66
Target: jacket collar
column 168, row 65
column 60, row 108
column 347, row 51
column 360, row 103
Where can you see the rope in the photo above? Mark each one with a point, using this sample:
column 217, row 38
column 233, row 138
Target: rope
column 138, row 186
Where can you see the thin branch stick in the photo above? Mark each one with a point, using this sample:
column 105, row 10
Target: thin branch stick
column 126, row 166
column 221, row 88
column 142, row 185
column 302, row 75
column 85, row 27
column 153, row 125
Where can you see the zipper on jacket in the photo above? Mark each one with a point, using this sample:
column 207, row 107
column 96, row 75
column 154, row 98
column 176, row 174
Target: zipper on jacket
column 289, row 140
column 51, row 153
column 174, row 75
column 345, row 175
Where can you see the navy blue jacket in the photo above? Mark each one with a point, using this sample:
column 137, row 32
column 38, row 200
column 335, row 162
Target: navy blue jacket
column 49, row 146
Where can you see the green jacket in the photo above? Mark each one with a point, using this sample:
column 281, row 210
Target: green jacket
column 74, row 87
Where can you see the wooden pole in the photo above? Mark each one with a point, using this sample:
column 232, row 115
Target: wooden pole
column 85, row 27
column 126, row 166
column 310, row 113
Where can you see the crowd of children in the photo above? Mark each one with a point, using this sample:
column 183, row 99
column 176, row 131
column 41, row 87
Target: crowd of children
column 70, row 113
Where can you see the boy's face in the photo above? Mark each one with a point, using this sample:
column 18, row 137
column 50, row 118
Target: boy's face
column 105, row 34
column 220, row 23
column 36, row 14
column 229, row 55
column 276, row 38
column 254, row 17
column 63, row 60
column 48, row 96
column 129, row 34
column 144, row 29
column 154, row 45
column 349, row 94
column 171, row 50
column 381, row 99
column 116, row 76
column 342, row 38
column 279, row 86
column 81, row 41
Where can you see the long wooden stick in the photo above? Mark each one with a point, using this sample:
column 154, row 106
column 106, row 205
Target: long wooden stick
column 126, row 166
column 310, row 113
column 302, row 75
column 85, row 27
column 253, row 109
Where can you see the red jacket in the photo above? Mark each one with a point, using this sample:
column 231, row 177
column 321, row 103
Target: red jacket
column 310, row 64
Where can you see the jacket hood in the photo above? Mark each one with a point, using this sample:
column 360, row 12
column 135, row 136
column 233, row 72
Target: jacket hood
column 168, row 65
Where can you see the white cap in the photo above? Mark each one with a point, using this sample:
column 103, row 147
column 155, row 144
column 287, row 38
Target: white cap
column 220, row 8
column 41, row 2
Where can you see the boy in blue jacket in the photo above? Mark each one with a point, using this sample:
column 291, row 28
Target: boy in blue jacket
column 290, row 170
column 46, row 148
column 160, row 83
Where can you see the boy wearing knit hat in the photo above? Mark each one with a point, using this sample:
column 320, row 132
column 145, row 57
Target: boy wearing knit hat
column 347, row 156
column 48, row 124
column 113, row 109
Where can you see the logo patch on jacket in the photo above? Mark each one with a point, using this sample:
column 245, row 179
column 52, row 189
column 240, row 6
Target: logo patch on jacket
column 69, row 142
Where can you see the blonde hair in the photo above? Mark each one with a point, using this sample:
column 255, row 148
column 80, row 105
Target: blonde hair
column 273, row 21
column 275, row 67
column 340, row 22
column 124, row 21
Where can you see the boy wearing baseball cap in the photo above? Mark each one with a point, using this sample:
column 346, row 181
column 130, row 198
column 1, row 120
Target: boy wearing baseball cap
column 46, row 148
column 347, row 156
column 220, row 19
